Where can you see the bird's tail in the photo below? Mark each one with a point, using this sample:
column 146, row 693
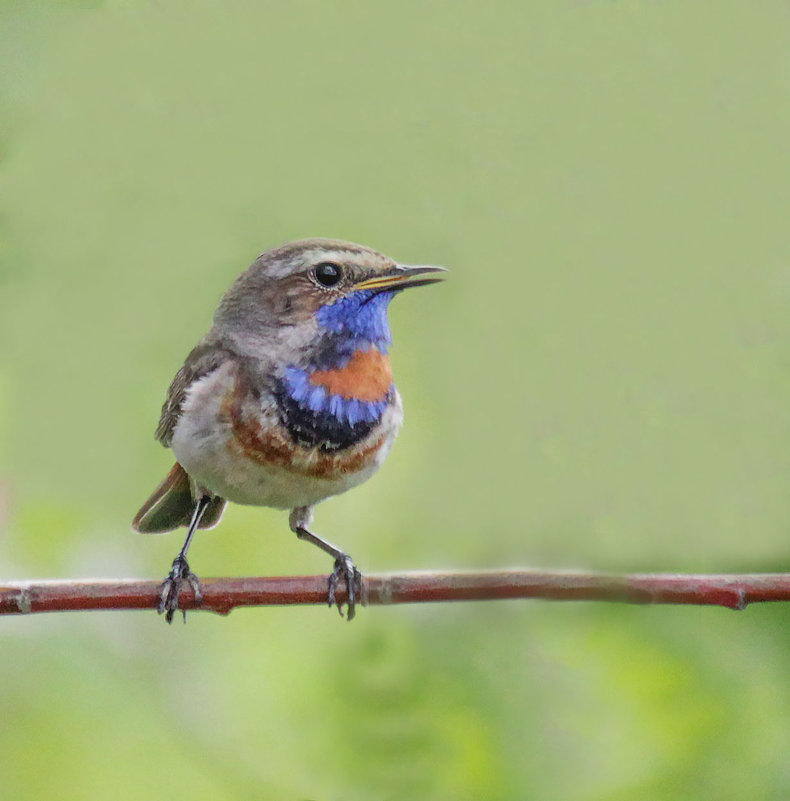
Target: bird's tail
column 171, row 505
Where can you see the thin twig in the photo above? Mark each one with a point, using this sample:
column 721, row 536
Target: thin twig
column 221, row 595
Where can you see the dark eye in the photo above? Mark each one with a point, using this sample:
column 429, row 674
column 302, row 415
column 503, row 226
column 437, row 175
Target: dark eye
column 327, row 273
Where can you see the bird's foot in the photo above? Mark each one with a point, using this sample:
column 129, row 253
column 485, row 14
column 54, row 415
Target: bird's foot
column 172, row 585
column 345, row 571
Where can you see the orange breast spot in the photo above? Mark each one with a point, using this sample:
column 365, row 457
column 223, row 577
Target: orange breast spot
column 367, row 377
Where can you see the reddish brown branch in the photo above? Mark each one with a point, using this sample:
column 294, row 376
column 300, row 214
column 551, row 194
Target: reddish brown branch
column 221, row 595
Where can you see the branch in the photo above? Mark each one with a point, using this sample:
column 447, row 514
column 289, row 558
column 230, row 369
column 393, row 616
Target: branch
column 222, row 595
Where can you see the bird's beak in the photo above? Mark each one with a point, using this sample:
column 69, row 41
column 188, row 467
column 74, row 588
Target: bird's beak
column 400, row 277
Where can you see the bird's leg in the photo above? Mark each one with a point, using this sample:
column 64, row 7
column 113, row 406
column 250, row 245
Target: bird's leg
column 180, row 572
column 345, row 569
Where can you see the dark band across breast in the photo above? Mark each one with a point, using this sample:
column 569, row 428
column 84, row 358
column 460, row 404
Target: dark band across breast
column 320, row 429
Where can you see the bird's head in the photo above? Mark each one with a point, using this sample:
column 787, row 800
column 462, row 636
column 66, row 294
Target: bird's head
column 316, row 295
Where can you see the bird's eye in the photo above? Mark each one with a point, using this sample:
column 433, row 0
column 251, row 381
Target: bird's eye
column 328, row 274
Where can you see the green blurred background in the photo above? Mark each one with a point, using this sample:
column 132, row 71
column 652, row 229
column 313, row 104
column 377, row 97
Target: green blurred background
column 604, row 382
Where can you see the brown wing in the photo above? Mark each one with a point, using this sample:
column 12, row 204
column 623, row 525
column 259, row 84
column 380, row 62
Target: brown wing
column 204, row 359
column 171, row 505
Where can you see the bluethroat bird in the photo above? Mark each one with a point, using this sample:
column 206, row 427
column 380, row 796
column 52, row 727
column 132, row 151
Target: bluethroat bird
column 286, row 401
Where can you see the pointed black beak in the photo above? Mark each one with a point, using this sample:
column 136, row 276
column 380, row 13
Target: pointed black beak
column 402, row 276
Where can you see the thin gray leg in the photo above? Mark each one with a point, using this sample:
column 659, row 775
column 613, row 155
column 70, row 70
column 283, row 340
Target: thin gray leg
column 345, row 569
column 180, row 572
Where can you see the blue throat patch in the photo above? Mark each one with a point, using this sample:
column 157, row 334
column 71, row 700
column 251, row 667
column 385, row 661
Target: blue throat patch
column 360, row 317
column 314, row 416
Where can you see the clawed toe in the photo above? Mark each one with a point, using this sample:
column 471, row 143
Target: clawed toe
column 171, row 588
column 345, row 571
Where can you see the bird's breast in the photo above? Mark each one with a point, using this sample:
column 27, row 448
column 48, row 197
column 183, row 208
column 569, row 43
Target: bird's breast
column 336, row 405
column 295, row 458
column 367, row 377
column 233, row 441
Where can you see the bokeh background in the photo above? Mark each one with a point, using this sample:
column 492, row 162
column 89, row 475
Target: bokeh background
column 604, row 382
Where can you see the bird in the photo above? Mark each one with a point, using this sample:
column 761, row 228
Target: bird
column 286, row 401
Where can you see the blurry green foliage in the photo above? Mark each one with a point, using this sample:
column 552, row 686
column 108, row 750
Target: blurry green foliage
column 603, row 382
